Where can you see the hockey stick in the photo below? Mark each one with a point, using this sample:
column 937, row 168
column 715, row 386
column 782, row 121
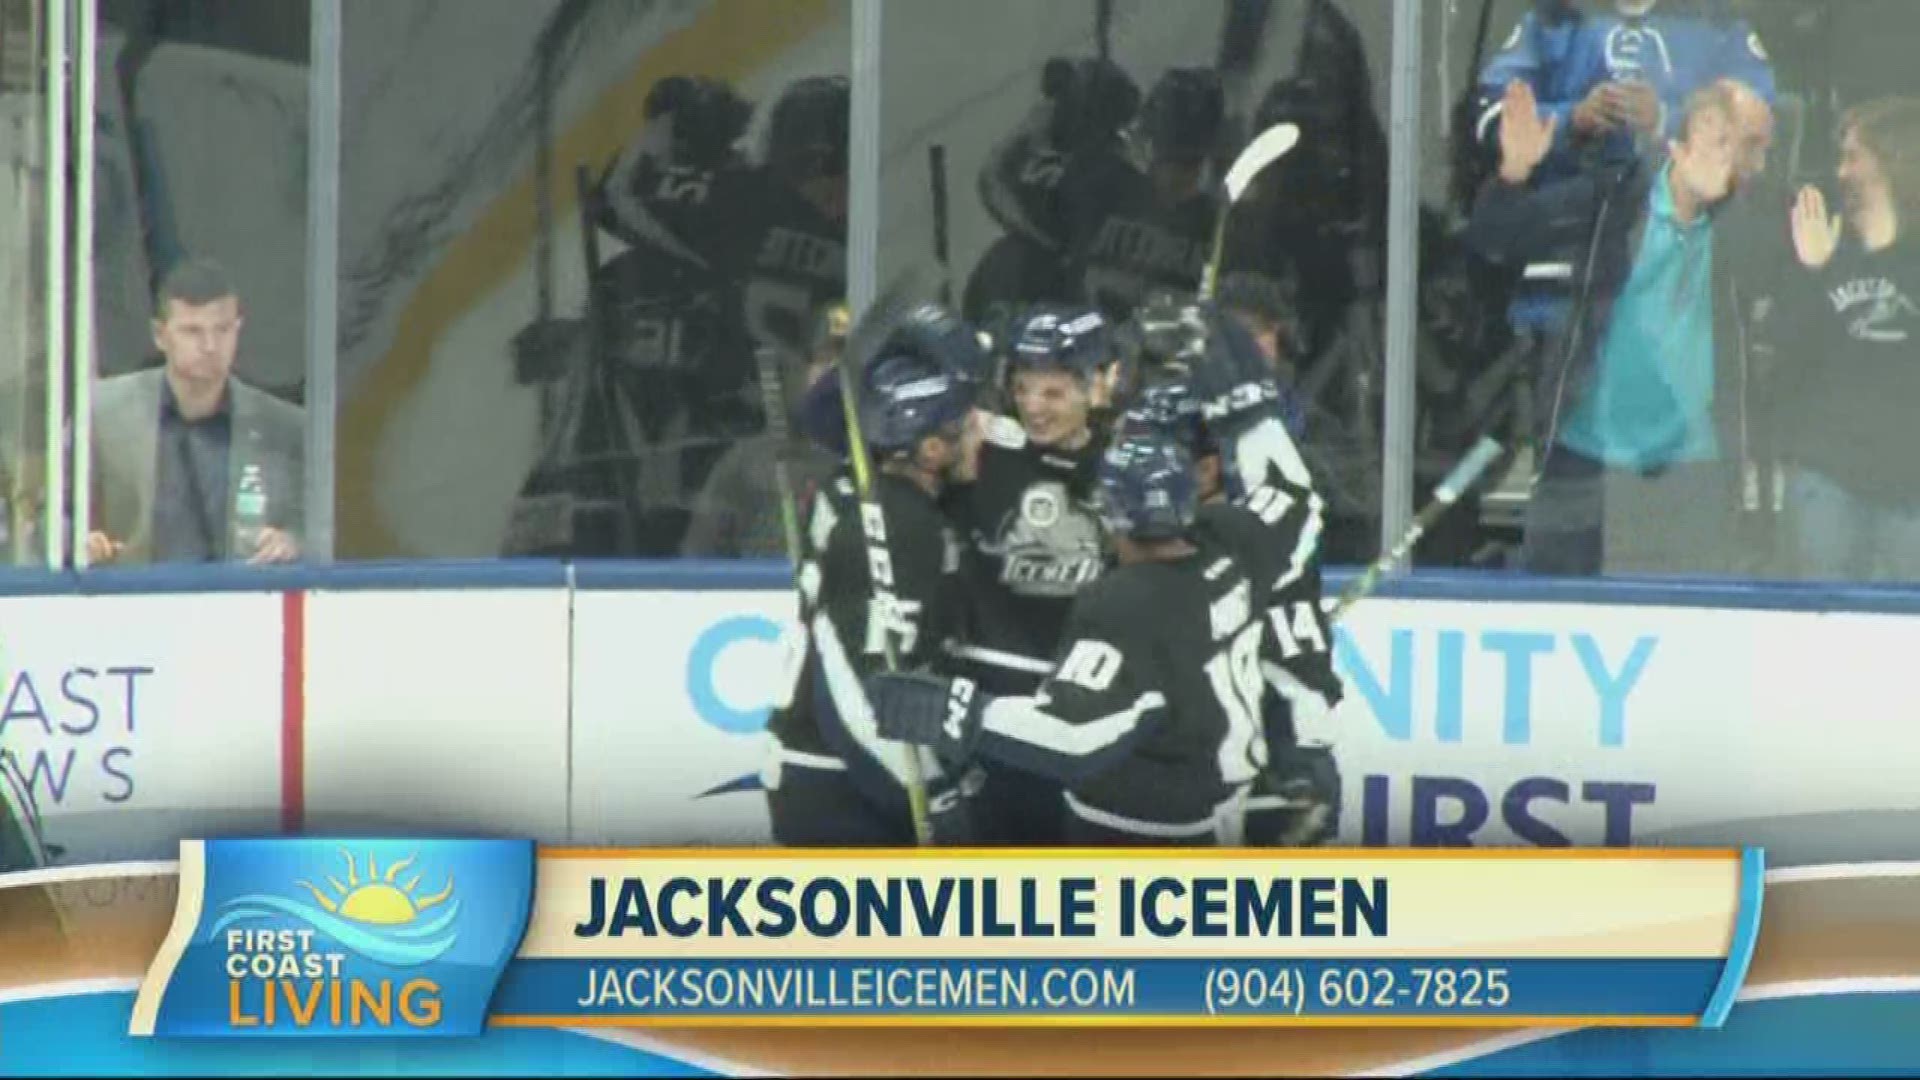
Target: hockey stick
column 937, row 177
column 882, row 316
column 773, row 396
column 1268, row 147
column 1463, row 476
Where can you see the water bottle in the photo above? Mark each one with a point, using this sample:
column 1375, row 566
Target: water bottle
column 249, row 512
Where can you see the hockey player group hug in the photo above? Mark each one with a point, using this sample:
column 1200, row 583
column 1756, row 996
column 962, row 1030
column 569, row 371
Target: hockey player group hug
column 1074, row 598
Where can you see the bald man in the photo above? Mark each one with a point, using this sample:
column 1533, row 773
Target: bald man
column 1645, row 399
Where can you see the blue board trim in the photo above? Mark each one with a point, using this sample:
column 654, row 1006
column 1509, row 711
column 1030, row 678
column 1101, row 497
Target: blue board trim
column 706, row 575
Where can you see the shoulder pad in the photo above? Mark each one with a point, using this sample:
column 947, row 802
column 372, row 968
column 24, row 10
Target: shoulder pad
column 1005, row 432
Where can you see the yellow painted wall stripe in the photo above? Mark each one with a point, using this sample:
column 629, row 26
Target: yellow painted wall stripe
column 731, row 39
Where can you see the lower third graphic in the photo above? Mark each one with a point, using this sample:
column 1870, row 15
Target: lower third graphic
column 313, row 937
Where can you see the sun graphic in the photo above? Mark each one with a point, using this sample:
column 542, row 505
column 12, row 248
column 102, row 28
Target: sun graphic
column 377, row 899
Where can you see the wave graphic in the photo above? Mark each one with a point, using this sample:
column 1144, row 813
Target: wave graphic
column 407, row 945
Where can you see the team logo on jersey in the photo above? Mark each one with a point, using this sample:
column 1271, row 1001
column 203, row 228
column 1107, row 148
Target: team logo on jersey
column 1634, row 50
column 1885, row 307
column 1040, row 507
column 1050, row 546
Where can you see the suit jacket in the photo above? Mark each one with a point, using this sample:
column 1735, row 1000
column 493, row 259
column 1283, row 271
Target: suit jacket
column 267, row 432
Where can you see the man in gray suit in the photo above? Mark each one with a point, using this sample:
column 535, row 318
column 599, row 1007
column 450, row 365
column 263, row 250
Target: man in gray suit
column 191, row 465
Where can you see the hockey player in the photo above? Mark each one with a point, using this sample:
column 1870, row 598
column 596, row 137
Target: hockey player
column 723, row 257
column 660, row 390
column 1151, row 714
column 1295, row 801
column 1033, row 534
column 1134, row 232
column 830, row 779
column 1030, row 179
column 798, row 262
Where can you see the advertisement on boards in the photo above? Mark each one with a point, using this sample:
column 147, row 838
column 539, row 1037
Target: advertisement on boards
column 670, row 700
column 135, row 720
column 1480, row 723
column 1546, row 724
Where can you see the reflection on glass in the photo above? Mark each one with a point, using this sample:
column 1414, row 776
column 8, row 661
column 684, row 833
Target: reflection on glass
column 200, row 266
column 709, row 260
column 22, row 281
column 1093, row 136
column 569, row 231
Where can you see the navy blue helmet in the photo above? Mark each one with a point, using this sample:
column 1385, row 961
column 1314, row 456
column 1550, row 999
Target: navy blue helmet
column 1168, row 408
column 935, row 332
column 808, row 131
column 1148, row 488
column 1184, row 114
column 1060, row 337
column 909, row 397
column 708, row 116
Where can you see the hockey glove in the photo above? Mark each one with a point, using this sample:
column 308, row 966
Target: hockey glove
column 1296, row 800
column 927, row 710
column 950, row 808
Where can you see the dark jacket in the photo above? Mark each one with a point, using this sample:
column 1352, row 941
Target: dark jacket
column 1604, row 213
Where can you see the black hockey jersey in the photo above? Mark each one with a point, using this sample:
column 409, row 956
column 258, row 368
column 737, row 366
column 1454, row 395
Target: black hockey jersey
column 759, row 260
column 1153, row 712
column 1125, row 243
column 853, row 615
column 1033, row 543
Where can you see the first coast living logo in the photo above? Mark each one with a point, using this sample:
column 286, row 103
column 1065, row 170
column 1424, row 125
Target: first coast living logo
column 342, row 937
column 276, row 971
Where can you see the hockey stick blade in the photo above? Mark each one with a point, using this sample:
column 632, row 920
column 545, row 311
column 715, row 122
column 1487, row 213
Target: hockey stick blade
column 1268, row 147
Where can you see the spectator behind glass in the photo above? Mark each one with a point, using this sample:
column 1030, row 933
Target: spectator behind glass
column 1646, row 403
column 1266, row 308
column 1084, row 107
column 1615, row 82
column 1853, row 362
column 1614, row 78
column 738, row 514
column 190, row 464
